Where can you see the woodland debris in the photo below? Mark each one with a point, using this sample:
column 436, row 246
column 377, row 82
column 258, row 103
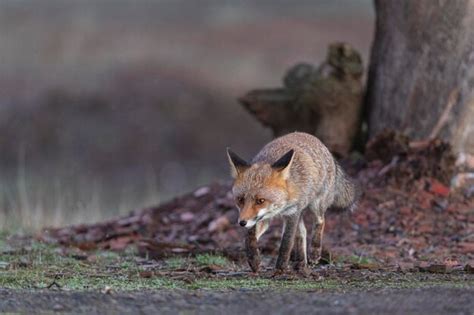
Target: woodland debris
column 434, row 268
column 406, row 214
column 469, row 268
column 434, row 159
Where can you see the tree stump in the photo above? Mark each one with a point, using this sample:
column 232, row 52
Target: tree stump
column 325, row 101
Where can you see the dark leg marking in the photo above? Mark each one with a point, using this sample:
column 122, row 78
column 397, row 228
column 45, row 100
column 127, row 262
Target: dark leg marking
column 251, row 247
column 287, row 242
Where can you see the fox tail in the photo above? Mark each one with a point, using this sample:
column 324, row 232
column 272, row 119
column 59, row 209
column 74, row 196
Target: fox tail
column 346, row 191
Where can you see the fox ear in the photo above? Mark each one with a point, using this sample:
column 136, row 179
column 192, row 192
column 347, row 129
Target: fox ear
column 283, row 164
column 237, row 164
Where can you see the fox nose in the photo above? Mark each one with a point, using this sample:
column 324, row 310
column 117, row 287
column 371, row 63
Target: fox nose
column 243, row 223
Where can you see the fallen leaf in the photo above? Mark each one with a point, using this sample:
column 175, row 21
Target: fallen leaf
column 186, row 216
column 367, row 266
column 87, row 246
column 146, row 274
column 466, row 247
column 435, row 268
column 218, row 224
column 120, row 243
column 438, row 188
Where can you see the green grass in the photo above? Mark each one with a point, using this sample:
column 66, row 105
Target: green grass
column 263, row 283
column 38, row 266
column 354, row 259
column 175, row 262
column 3, row 244
column 208, row 259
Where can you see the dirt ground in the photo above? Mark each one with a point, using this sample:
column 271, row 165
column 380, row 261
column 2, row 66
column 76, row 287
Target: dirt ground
column 388, row 301
column 408, row 249
column 49, row 278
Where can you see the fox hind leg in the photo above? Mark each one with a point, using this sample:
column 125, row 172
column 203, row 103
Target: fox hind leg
column 300, row 256
column 317, row 240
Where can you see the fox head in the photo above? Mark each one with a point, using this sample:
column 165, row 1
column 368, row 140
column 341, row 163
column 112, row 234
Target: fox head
column 261, row 190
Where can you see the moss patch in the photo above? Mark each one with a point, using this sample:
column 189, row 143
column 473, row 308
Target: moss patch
column 209, row 260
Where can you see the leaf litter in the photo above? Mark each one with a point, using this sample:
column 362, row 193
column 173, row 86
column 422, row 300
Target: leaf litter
column 408, row 218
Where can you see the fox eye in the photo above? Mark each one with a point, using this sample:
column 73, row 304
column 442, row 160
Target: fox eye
column 259, row 201
column 240, row 200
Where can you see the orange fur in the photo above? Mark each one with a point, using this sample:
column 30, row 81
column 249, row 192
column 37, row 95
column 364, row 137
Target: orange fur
column 276, row 180
column 250, row 211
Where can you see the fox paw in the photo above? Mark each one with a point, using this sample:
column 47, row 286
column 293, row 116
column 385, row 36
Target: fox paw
column 301, row 267
column 254, row 264
column 313, row 262
column 304, row 272
column 278, row 273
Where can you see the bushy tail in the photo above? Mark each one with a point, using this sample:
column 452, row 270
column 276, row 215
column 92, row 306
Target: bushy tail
column 347, row 193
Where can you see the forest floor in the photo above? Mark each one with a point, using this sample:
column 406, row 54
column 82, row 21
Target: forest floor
column 50, row 278
column 408, row 248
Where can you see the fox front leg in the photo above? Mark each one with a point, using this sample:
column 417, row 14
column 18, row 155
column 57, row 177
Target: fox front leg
column 251, row 249
column 251, row 246
column 299, row 249
column 287, row 242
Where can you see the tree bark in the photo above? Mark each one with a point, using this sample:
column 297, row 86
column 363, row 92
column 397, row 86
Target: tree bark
column 421, row 75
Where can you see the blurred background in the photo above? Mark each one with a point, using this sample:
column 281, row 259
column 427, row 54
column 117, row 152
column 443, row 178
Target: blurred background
column 109, row 106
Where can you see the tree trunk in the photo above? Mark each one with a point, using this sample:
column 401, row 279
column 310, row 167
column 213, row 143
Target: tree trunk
column 421, row 76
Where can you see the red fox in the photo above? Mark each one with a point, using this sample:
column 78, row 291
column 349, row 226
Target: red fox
column 288, row 175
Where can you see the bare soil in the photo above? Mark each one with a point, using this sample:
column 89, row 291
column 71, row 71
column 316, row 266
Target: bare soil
column 385, row 301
